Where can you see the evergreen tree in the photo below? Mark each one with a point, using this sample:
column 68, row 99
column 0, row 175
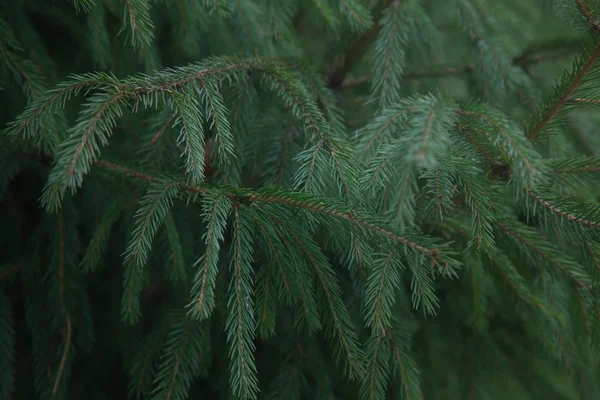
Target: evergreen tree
column 299, row 199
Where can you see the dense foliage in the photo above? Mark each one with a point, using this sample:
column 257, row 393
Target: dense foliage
column 319, row 199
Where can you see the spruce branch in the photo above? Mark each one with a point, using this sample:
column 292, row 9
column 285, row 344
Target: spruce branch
column 97, row 244
column 405, row 364
column 274, row 253
column 503, row 133
column 358, row 16
column 356, row 48
column 241, row 321
column 29, row 121
column 390, row 57
column 189, row 116
column 589, row 17
column 558, row 211
column 539, row 247
column 148, row 219
column 137, row 13
column 290, row 198
column 182, row 359
column 26, row 73
column 342, row 326
column 524, row 60
column 216, row 208
column 517, row 283
column 85, row 5
column 218, row 117
column 563, row 92
column 378, row 352
column 380, row 292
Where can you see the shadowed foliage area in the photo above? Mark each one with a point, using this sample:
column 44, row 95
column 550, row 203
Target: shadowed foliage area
column 299, row 199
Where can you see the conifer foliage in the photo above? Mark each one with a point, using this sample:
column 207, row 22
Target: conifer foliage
column 300, row 199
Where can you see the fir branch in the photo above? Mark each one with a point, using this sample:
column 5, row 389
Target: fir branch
column 511, row 276
column 356, row 48
column 189, row 116
column 482, row 208
column 241, row 322
column 87, row 134
column 587, row 13
column 95, row 248
column 265, row 305
column 137, row 13
column 384, row 125
column 99, row 35
column 379, row 360
column 405, row 364
column 290, row 382
column 143, row 366
column 218, row 116
column 389, row 55
column 183, row 357
column 380, row 292
column 290, row 198
column 321, row 208
column 563, row 92
column 575, row 165
column 358, row 16
column 85, row 5
column 592, row 251
column 181, row 76
column 78, row 152
column 26, row 73
column 561, row 213
column 215, row 208
column 274, row 253
column 342, row 324
column 153, row 208
column 176, row 271
column 305, row 109
column 527, row 162
column 29, row 121
column 524, row 60
column 222, row 8
column 540, row 248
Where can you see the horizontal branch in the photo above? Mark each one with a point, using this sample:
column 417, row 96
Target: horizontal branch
column 563, row 214
column 251, row 196
column 524, row 60
column 549, row 258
